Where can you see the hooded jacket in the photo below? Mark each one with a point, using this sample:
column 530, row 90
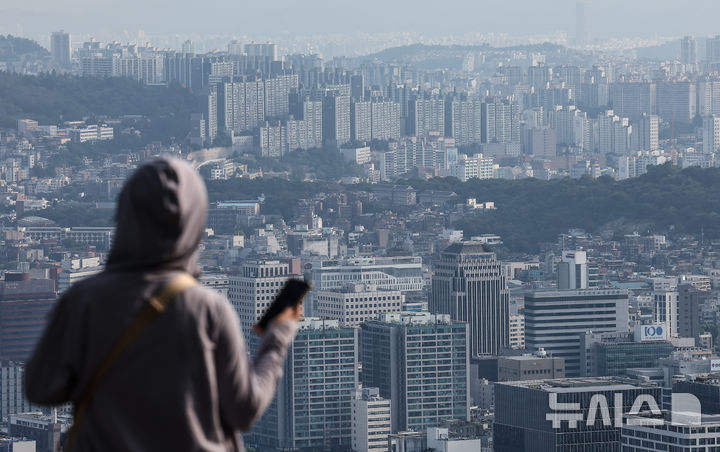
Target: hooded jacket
column 186, row 383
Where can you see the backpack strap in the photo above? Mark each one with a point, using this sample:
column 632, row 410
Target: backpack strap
column 149, row 312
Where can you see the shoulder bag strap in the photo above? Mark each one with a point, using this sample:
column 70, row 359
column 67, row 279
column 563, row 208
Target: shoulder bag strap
column 149, row 312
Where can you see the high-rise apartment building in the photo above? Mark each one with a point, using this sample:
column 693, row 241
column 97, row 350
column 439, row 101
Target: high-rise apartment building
column 677, row 101
column 712, row 50
column 500, row 121
column 646, row 133
column 711, row 133
column 632, row 99
column 60, row 48
column 420, row 362
column 241, row 105
column 426, row 115
column 688, row 50
column 336, row 119
column 370, row 421
column 468, row 284
column 361, row 121
column 385, row 120
column 554, row 320
column 463, row 121
column 277, row 95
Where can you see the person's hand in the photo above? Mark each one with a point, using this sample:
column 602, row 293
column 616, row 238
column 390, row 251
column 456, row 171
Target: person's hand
column 291, row 313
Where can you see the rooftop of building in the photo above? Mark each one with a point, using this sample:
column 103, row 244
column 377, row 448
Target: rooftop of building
column 467, row 247
column 585, row 384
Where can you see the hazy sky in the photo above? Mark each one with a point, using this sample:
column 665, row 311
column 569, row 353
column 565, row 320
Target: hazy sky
column 605, row 18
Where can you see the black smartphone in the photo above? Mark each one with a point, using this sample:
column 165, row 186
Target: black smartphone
column 291, row 294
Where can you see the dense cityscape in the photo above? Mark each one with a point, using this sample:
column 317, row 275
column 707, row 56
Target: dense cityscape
column 510, row 247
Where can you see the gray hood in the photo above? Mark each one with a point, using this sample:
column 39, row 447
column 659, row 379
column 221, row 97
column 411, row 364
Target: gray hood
column 161, row 217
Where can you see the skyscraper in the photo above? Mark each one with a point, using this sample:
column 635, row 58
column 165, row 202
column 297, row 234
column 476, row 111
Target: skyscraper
column 420, row 362
column 580, row 24
column 469, row 285
column 313, row 405
column 554, row 320
column 60, row 48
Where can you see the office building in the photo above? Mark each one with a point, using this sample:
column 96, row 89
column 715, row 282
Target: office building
column 254, row 289
column 354, row 304
column 564, row 415
column 24, row 307
column 530, row 367
column 370, row 421
column 649, row 433
column 469, row 285
column 612, row 354
column 12, row 393
column 60, row 48
column 47, row 431
column 689, row 302
column 705, row 387
column 573, row 270
column 313, row 405
column 420, row 362
column 396, row 273
column 555, row 319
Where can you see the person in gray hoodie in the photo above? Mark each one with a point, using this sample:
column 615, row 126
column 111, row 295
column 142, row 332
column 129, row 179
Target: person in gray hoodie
column 186, row 382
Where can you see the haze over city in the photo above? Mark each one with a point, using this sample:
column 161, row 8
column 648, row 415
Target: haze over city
column 360, row 226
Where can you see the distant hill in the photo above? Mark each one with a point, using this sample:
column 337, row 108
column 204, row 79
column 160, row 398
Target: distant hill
column 530, row 211
column 12, row 47
column 51, row 99
column 447, row 56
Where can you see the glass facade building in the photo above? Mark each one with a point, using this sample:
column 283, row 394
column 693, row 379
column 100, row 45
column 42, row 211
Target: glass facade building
column 420, row 362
